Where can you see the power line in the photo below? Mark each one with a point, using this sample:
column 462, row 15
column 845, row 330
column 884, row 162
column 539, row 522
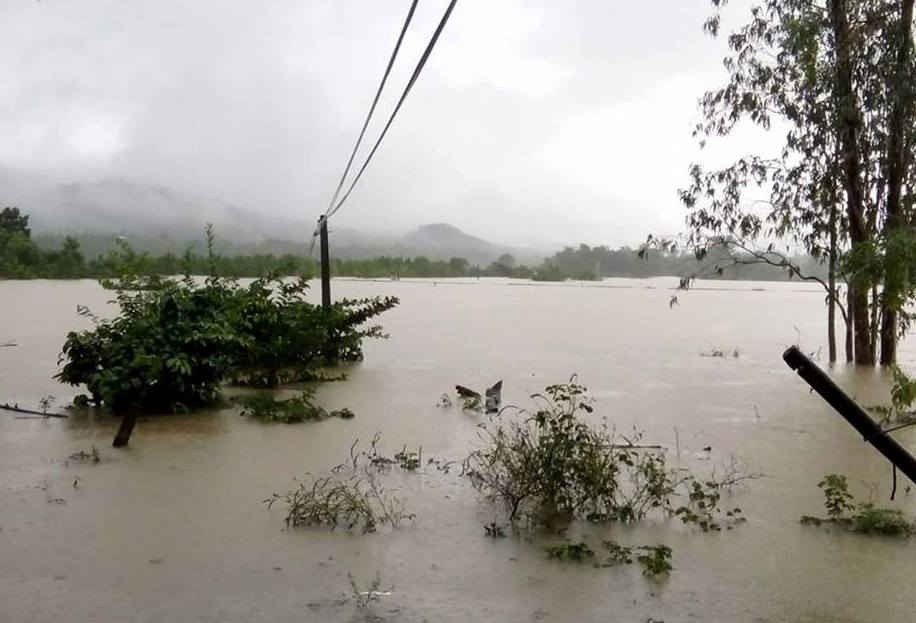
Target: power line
column 413, row 79
column 378, row 93
column 362, row 132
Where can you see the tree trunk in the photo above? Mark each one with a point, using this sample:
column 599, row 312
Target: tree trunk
column 831, row 285
column 848, row 121
column 850, row 310
column 898, row 124
column 128, row 421
column 875, row 323
column 864, row 352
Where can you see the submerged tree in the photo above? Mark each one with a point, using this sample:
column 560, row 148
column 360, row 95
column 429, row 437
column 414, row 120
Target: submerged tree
column 838, row 79
column 175, row 341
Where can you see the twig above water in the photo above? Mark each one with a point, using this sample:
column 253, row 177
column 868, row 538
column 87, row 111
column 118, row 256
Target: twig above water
column 17, row 409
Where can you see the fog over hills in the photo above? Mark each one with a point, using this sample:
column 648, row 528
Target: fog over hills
column 160, row 219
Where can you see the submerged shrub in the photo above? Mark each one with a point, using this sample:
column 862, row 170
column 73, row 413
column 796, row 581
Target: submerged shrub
column 654, row 559
column 554, row 464
column 351, row 496
column 299, row 408
column 886, row 521
column 175, row 341
column 863, row 518
column 577, row 552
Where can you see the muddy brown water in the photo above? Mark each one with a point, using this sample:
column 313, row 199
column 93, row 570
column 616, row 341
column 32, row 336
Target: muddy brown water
column 173, row 527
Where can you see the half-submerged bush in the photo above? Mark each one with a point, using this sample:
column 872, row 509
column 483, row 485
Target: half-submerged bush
column 175, row 341
column 863, row 517
column 553, row 465
column 300, row 408
column 351, row 496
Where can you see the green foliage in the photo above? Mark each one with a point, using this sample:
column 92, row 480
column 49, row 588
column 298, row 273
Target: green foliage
column 300, row 408
column 837, row 79
column 903, row 395
column 351, row 496
column 617, row 554
column 865, row 518
column 702, row 508
column 549, row 272
column 837, row 498
column 175, row 341
column 12, row 221
column 331, row 503
column 886, row 521
column 63, row 257
column 903, row 392
column 554, row 464
column 655, row 559
column 407, row 460
column 576, row 552
column 288, row 337
column 169, row 348
column 20, row 258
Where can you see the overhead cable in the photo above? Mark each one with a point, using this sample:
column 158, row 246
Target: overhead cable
column 413, row 79
column 362, row 132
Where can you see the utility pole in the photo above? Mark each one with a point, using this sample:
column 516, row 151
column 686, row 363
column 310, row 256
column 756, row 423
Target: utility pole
column 869, row 429
column 325, row 264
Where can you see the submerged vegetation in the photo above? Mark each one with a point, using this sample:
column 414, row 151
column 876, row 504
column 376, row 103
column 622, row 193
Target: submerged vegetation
column 350, row 496
column 903, row 394
column 553, row 464
column 544, row 469
column 175, row 341
column 654, row 559
column 863, row 518
column 300, row 408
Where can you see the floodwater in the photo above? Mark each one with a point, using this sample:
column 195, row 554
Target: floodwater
column 173, row 528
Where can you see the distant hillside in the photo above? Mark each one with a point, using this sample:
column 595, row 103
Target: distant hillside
column 159, row 219
column 125, row 207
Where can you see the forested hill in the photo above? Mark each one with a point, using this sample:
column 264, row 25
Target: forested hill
column 21, row 257
column 584, row 262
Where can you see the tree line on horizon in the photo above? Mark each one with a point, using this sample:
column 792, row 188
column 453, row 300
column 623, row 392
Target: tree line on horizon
column 21, row 257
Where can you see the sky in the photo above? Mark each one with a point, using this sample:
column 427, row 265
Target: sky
column 534, row 122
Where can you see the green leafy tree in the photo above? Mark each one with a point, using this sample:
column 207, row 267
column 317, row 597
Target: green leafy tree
column 12, row 221
column 838, row 79
column 174, row 342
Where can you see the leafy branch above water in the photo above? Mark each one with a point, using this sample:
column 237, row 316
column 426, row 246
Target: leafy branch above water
column 863, row 517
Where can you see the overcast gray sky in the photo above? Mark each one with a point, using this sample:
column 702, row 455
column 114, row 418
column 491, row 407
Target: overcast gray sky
column 534, row 121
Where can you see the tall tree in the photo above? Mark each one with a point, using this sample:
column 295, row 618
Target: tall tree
column 12, row 222
column 838, row 80
column 899, row 159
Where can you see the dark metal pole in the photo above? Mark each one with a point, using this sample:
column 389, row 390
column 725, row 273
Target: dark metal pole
column 325, row 265
column 853, row 413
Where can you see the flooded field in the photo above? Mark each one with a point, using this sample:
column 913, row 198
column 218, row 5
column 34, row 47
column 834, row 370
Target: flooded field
column 173, row 528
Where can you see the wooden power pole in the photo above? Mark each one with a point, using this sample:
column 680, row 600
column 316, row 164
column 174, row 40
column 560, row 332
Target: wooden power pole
column 325, row 265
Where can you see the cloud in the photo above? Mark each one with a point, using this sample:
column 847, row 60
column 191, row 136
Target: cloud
column 532, row 121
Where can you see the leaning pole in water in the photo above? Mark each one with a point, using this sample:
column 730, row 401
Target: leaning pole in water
column 851, row 412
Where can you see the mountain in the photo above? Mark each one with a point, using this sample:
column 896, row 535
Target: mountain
column 443, row 241
column 160, row 219
column 125, row 207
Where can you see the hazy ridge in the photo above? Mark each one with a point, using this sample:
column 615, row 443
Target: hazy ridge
column 161, row 219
